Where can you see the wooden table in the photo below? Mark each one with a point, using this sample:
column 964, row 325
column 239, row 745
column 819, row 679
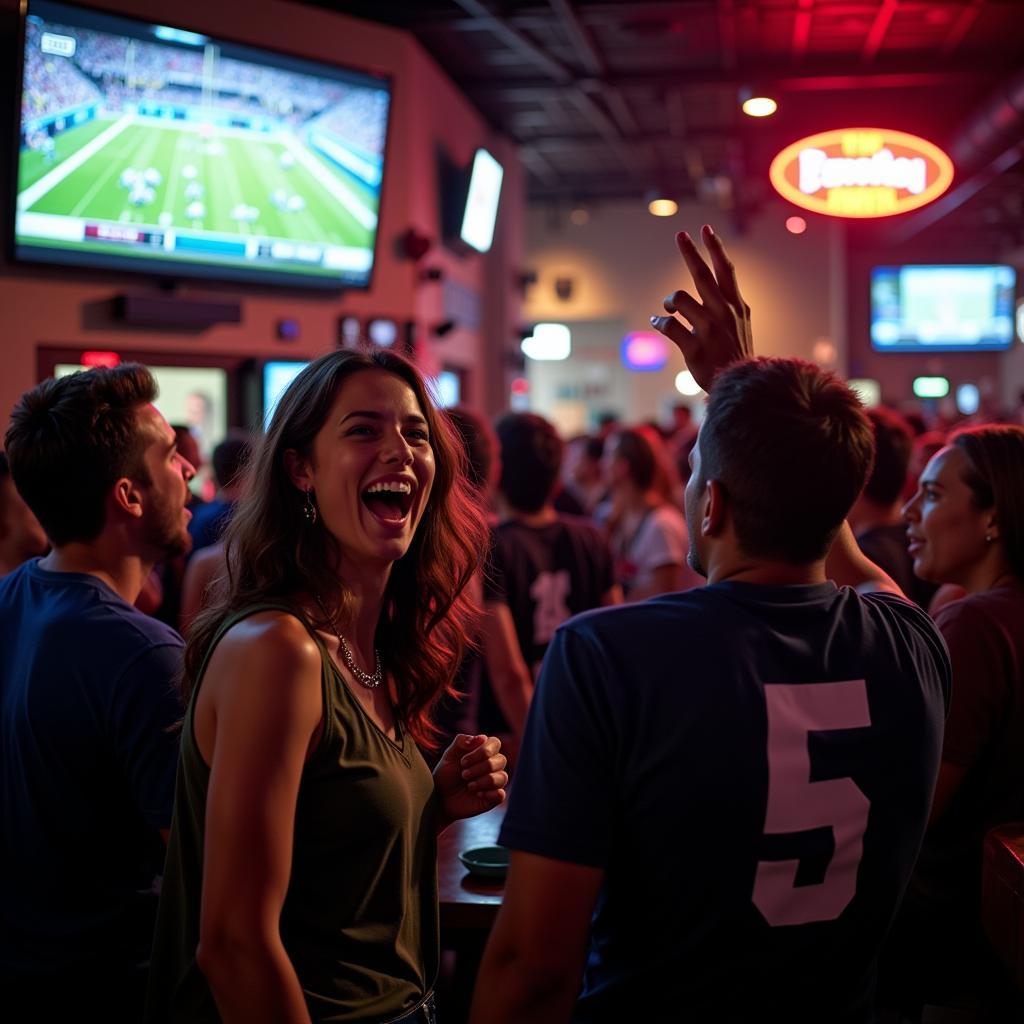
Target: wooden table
column 468, row 907
column 467, row 902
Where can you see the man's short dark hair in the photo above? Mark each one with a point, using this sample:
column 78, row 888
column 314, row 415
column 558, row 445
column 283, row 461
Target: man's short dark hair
column 70, row 439
column 478, row 440
column 229, row 458
column 792, row 447
column 894, row 441
column 531, row 457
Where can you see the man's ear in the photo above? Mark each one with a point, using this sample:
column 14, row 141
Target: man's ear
column 715, row 509
column 298, row 470
column 127, row 496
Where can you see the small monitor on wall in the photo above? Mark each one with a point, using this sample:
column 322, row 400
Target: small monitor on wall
column 277, row 375
column 194, row 396
column 933, row 308
column 151, row 148
column 481, row 210
column 446, row 388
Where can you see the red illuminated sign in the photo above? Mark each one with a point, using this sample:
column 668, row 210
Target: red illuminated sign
column 861, row 172
column 97, row 358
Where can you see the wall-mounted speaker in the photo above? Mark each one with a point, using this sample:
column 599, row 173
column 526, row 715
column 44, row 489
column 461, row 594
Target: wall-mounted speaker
column 152, row 310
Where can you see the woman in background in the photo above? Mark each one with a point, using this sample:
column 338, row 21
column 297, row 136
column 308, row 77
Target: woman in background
column 965, row 526
column 646, row 527
column 301, row 876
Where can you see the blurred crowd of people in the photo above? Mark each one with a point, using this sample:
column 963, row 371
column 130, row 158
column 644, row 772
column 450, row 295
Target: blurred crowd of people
column 781, row 650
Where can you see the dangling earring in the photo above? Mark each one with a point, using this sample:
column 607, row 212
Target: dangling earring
column 309, row 509
column 989, row 538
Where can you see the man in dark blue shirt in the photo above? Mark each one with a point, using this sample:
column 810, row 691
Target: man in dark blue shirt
column 210, row 519
column 721, row 793
column 87, row 697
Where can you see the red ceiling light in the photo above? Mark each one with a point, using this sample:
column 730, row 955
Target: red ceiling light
column 796, row 225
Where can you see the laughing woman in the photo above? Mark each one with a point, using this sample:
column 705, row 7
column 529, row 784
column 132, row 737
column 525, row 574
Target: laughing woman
column 965, row 526
column 301, row 879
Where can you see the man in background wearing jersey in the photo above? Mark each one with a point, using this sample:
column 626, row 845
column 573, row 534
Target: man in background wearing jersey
column 722, row 792
column 544, row 568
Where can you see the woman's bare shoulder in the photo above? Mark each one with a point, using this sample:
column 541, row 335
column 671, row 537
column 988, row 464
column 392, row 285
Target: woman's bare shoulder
column 268, row 642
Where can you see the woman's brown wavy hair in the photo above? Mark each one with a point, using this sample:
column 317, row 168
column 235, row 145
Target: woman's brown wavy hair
column 273, row 554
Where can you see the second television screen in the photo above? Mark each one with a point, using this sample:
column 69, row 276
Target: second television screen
column 143, row 146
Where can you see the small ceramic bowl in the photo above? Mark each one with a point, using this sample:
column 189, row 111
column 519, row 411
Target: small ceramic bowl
column 486, row 861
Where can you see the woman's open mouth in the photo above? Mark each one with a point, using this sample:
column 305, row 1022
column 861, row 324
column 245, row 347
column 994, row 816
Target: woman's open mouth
column 389, row 500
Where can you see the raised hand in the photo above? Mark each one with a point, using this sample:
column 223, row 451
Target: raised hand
column 720, row 324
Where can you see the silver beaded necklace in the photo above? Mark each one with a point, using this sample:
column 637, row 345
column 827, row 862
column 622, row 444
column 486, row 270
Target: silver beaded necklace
column 370, row 680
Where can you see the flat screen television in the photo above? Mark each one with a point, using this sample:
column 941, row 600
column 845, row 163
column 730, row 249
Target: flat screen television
column 147, row 147
column 481, row 210
column 932, row 308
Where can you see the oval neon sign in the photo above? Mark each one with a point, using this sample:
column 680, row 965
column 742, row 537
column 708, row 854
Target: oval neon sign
column 861, row 172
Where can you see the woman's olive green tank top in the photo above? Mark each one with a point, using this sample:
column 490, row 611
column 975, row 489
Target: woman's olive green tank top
column 360, row 916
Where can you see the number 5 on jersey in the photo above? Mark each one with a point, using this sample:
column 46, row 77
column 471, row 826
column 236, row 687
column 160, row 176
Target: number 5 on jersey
column 796, row 804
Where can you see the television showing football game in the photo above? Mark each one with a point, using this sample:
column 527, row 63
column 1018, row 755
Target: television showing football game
column 148, row 147
column 942, row 308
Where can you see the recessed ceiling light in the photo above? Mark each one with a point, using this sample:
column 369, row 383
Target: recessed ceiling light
column 759, row 106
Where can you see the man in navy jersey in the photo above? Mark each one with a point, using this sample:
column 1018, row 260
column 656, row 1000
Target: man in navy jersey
column 722, row 792
column 88, row 701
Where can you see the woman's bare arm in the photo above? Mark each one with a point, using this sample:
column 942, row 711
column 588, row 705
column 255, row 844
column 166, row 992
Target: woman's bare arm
column 265, row 705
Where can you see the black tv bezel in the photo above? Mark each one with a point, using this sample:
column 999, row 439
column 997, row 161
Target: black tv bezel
column 173, row 271
column 945, row 348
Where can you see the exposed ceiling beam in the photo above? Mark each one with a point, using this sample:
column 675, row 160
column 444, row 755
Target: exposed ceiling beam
column 675, row 112
column 563, row 76
column 605, row 187
column 631, row 157
column 538, row 164
column 961, row 27
column 727, row 33
column 597, row 66
column 560, row 141
column 531, row 89
column 956, row 197
column 518, row 41
column 801, row 29
column 620, row 111
column 581, row 38
column 879, row 27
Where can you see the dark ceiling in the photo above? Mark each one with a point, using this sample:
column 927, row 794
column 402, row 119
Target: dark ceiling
column 608, row 100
